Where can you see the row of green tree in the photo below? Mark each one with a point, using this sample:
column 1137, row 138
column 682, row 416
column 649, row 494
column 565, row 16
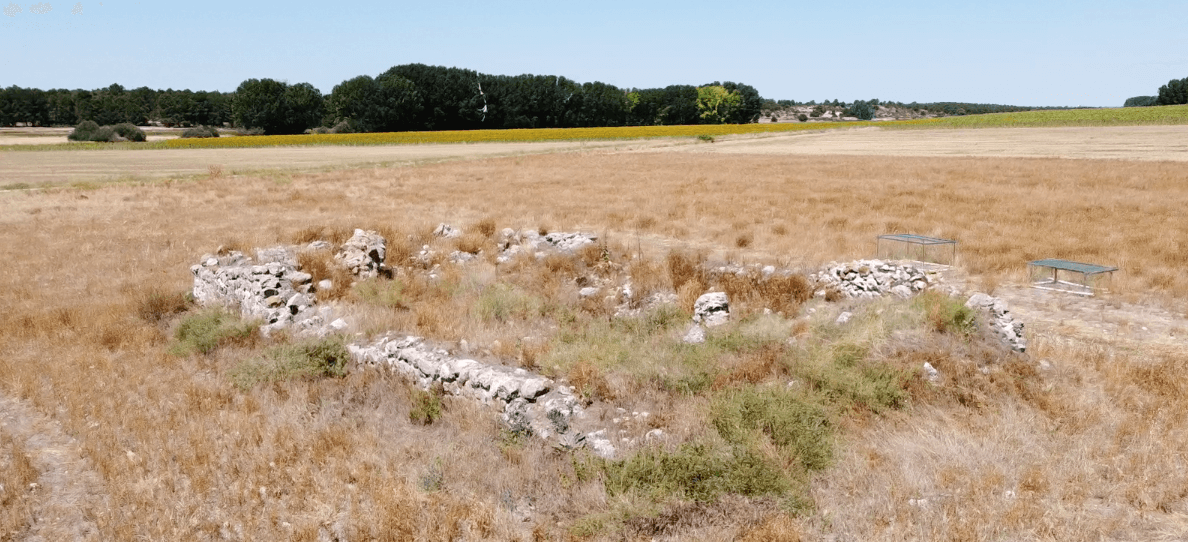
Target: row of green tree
column 421, row 97
column 113, row 105
column 406, row 97
column 1175, row 92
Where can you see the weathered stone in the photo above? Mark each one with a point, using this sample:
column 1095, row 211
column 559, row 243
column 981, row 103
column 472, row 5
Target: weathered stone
column 931, row 373
column 695, row 335
column 569, row 241
column 1006, row 326
column 446, row 231
column 363, row 254
column 843, row 318
column 711, row 309
column 588, row 291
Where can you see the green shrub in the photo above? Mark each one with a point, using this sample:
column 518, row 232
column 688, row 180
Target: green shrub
column 209, row 329
column 695, row 472
column 947, row 314
column 312, row 358
column 90, row 131
column 200, row 131
column 129, row 132
column 426, row 405
column 802, row 117
column 799, row 429
column 84, row 131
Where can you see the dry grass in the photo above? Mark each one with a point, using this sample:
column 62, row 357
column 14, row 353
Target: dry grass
column 17, row 472
column 1093, row 448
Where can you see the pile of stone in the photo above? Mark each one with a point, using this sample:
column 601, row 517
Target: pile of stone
column 272, row 290
column 269, row 289
column 363, row 254
column 870, row 279
column 512, row 242
column 530, row 403
column 1007, row 327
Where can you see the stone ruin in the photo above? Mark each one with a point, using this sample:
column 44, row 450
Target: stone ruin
column 1008, row 328
column 272, row 290
column 530, row 403
column 866, row 279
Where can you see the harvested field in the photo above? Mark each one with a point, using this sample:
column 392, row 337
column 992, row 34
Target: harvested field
column 1083, row 438
column 1147, row 143
column 57, row 167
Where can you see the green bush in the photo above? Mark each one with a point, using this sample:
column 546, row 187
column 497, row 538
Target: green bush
column 802, row 117
column 84, row 131
column 90, row 131
column 129, row 132
column 209, row 329
column 753, row 419
column 947, row 314
column 200, row 131
column 426, row 405
column 695, row 472
column 313, row 358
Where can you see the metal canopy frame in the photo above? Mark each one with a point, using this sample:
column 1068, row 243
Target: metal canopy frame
column 1060, row 275
column 928, row 246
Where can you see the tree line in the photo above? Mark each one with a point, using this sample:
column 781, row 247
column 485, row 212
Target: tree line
column 405, row 97
column 113, row 105
column 421, row 97
column 1175, row 92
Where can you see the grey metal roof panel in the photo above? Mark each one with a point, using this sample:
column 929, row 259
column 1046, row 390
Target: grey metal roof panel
column 1078, row 267
column 917, row 239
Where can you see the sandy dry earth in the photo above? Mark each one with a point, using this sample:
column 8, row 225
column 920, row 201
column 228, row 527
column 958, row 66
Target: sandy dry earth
column 38, row 168
column 1121, row 142
column 73, row 492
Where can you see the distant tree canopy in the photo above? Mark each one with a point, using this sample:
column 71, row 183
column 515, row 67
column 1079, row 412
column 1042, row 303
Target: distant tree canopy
column 276, row 107
column 441, row 98
column 112, row 105
column 862, row 110
column 1175, row 92
column 1141, row 101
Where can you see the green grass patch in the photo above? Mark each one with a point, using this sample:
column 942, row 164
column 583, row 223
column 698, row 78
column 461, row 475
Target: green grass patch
column 426, row 405
column 503, row 303
column 945, row 314
column 208, row 329
column 311, row 358
column 1123, row 116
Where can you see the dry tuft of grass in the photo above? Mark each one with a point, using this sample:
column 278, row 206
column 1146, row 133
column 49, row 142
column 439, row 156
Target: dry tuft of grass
column 17, row 474
column 322, row 266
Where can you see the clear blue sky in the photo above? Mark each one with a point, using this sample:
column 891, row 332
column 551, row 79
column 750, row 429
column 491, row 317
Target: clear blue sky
column 1039, row 52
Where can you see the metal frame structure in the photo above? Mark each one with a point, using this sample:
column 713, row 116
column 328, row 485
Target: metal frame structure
column 929, row 248
column 1060, row 275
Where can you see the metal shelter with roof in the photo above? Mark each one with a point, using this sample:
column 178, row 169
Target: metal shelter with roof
column 1068, row 276
column 909, row 246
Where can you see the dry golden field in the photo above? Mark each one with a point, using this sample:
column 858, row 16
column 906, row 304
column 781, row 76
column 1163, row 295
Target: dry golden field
column 1083, row 438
